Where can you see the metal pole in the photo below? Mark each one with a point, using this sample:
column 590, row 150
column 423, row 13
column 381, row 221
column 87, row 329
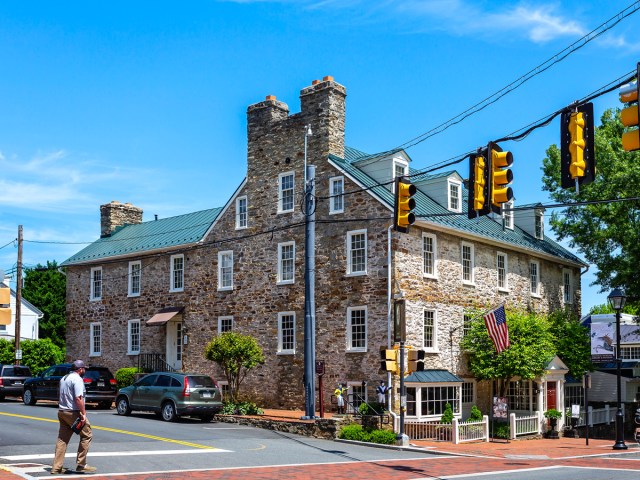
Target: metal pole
column 321, row 396
column 619, row 445
column 18, row 297
column 309, row 293
column 402, row 439
column 587, row 385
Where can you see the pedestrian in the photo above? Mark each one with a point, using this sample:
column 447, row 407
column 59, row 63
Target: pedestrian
column 381, row 390
column 71, row 406
column 340, row 392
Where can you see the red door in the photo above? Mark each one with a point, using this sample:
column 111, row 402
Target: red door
column 552, row 399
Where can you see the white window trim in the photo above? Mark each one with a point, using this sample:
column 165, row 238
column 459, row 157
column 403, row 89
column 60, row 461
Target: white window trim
column 131, row 264
column 472, row 281
column 539, row 215
column 401, row 163
column 474, row 395
column 366, row 329
column 130, row 351
column 508, row 217
column 433, row 349
column 293, row 203
column 332, row 180
column 92, row 296
column 279, row 280
column 537, row 291
column 221, row 319
column 505, row 288
column 171, row 281
column 238, row 225
column 435, row 256
column 569, row 300
column 92, row 350
column 419, row 386
column 451, row 182
column 224, row 288
column 281, row 351
column 350, row 272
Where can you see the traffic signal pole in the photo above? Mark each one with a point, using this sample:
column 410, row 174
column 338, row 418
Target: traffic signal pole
column 18, row 298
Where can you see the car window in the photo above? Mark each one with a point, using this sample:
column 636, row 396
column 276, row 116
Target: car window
column 147, row 381
column 61, row 371
column 199, row 381
column 7, row 372
column 49, row 372
column 163, row 381
column 175, row 382
column 22, row 371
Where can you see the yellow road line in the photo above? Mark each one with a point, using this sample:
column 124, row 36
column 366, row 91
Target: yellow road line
column 115, row 430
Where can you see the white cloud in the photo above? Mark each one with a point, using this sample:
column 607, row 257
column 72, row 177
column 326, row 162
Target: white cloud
column 540, row 24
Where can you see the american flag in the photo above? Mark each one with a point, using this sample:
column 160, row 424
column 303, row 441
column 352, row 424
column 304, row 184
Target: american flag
column 496, row 322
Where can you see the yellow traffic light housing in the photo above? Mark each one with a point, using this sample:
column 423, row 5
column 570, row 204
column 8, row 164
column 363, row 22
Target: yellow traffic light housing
column 389, row 360
column 403, row 215
column 577, row 153
column 5, row 306
column 416, row 361
column 478, row 203
column 501, row 176
column 630, row 94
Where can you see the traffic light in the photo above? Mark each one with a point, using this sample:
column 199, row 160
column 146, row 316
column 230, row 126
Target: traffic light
column 629, row 115
column 501, row 176
column 478, row 203
column 5, row 306
column 389, row 360
column 404, row 204
column 416, row 361
column 577, row 152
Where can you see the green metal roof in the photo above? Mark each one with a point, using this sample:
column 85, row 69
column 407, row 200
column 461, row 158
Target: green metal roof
column 430, row 210
column 433, row 376
column 147, row 236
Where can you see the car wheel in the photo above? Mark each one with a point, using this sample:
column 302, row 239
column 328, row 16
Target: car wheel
column 122, row 406
column 104, row 405
column 28, row 398
column 169, row 412
column 206, row 418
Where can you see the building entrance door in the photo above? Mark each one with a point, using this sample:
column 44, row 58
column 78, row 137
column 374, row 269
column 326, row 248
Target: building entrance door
column 552, row 395
column 174, row 345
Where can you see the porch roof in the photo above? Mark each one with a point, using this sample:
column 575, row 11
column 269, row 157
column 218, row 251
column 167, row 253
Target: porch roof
column 433, row 376
column 164, row 315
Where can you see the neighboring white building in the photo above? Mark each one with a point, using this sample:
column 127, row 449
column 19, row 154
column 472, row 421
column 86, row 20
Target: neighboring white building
column 29, row 320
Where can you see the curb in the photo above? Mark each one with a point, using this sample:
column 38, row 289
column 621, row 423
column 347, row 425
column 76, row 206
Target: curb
column 401, row 448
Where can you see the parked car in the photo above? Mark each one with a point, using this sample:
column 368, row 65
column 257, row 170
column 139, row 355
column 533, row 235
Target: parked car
column 171, row 395
column 12, row 377
column 99, row 384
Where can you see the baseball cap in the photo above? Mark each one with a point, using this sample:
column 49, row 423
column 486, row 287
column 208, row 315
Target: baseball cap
column 77, row 365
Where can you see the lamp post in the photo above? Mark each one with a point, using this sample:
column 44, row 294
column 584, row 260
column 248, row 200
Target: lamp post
column 617, row 300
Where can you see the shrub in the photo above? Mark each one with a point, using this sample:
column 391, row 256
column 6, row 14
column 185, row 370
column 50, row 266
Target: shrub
column 352, row 432
column 357, row 433
column 476, row 414
column 501, row 430
column 241, row 408
column 39, row 355
column 447, row 416
column 363, row 409
column 126, row 376
column 386, row 437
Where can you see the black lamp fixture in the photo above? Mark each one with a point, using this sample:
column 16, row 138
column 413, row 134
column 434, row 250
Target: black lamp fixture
column 617, row 300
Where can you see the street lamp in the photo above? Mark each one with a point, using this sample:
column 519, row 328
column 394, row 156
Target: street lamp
column 617, row 300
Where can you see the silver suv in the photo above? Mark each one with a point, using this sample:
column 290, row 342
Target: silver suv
column 12, row 378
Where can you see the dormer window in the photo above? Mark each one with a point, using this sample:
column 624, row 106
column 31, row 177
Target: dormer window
column 454, row 201
column 507, row 214
column 539, row 227
column 400, row 169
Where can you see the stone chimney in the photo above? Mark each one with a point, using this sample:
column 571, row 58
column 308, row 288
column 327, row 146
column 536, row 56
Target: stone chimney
column 116, row 214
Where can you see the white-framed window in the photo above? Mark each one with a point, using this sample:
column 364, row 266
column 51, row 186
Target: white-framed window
column 225, row 270
column 468, row 393
column 357, row 329
column 357, row 252
column 95, row 339
column 539, row 226
column 400, row 168
column 96, row 283
column 454, row 194
column 286, row 263
column 430, row 330
column 430, row 401
column 567, row 286
column 502, row 267
column 534, row 277
column 507, row 214
column 133, row 337
column 468, row 261
column 429, row 249
column 177, row 273
column 225, row 324
column 135, row 276
column 467, row 318
column 286, row 332
column 336, row 192
column 521, row 396
column 357, row 395
column 242, row 213
column 286, row 192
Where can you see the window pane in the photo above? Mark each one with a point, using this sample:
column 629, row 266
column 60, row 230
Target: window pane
column 287, row 332
column 466, row 263
column 428, row 255
column 358, row 328
column 286, row 193
column 358, row 253
column 429, row 328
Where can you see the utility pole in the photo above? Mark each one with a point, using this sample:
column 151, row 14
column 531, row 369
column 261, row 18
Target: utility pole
column 18, row 297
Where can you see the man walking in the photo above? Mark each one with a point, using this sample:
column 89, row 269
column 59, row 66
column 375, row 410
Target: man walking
column 71, row 406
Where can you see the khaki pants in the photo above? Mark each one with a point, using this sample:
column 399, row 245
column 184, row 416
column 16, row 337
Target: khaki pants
column 66, row 419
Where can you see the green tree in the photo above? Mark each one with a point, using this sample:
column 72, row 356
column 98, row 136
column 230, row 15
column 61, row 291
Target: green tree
column 236, row 354
column 40, row 354
column 7, row 351
column 630, row 308
column 606, row 234
column 532, row 348
column 572, row 342
column 46, row 287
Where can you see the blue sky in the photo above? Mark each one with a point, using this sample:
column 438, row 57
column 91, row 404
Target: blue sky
column 145, row 102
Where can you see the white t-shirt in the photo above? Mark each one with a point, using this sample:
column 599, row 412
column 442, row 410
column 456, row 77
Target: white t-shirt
column 71, row 387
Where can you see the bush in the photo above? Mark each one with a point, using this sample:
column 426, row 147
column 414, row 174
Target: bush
column 386, row 437
column 476, row 414
column 352, row 432
column 447, row 416
column 126, row 376
column 241, row 408
column 39, row 355
column 357, row 433
column 500, row 430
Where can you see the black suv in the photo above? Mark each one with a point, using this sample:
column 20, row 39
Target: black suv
column 99, row 385
column 12, row 377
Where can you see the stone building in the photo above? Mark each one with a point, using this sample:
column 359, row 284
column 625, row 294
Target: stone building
column 160, row 290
